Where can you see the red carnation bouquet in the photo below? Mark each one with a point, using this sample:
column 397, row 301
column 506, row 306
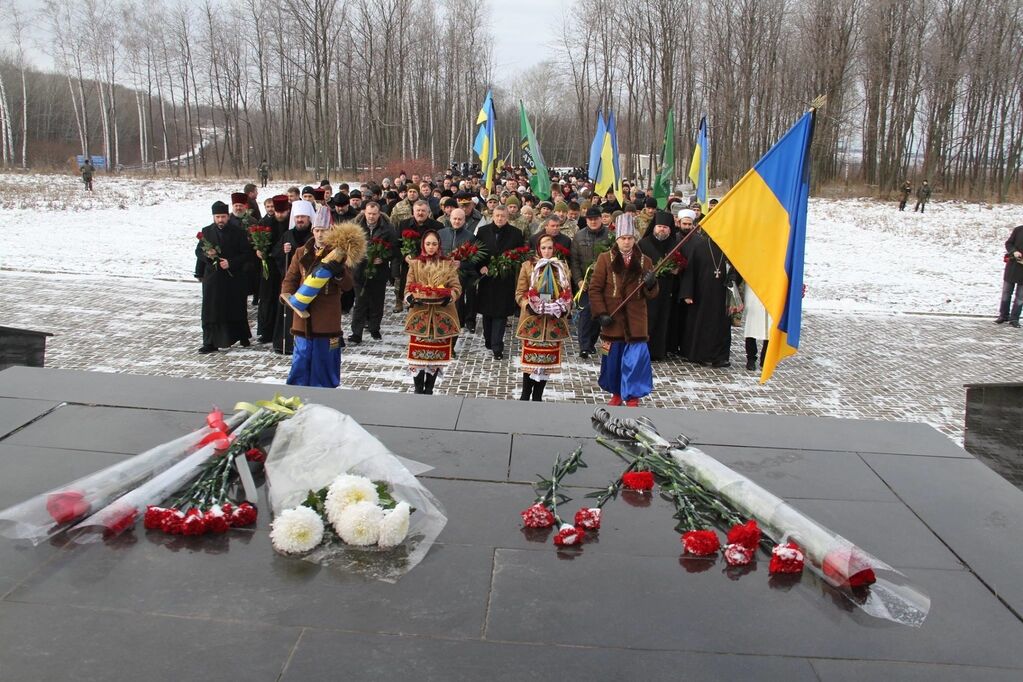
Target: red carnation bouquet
column 208, row 246
column 262, row 238
column 469, row 252
column 543, row 513
column 675, row 264
column 508, row 262
column 378, row 247
column 562, row 252
column 410, row 243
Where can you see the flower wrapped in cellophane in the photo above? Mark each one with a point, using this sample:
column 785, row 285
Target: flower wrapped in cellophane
column 374, row 517
column 39, row 518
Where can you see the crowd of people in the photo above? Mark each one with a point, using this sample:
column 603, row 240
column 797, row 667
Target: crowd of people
column 634, row 283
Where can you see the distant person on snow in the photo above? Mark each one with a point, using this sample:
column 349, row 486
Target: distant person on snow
column 923, row 195
column 87, row 170
column 906, row 190
column 264, row 172
column 1012, row 279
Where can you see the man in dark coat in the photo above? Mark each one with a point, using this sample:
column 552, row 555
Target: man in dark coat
column 371, row 291
column 252, row 195
column 270, row 286
column 420, row 221
column 906, row 190
column 659, row 311
column 923, row 195
column 301, row 217
column 451, row 237
column 1012, row 279
column 585, row 246
column 495, row 296
column 222, row 261
column 552, row 228
column 708, row 334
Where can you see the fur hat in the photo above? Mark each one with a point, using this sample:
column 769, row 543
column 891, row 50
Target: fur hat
column 281, row 202
column 220, row 208
column 239, row 198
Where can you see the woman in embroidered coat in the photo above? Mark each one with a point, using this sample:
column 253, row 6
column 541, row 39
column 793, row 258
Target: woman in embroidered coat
column 544, row 296
column 432, row 322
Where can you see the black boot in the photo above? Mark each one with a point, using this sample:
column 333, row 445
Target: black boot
column 431, row 379
column 419, row 381
column 527, row 387
column 751, row 353
column 538, row 387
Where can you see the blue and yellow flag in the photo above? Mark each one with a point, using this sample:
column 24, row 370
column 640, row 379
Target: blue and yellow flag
column 698, row 167
column 598, row 143
column 608, row 175
column 485, row 145
column 761, row 226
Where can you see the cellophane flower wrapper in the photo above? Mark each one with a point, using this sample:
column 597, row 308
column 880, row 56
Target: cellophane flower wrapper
column 121, row 514
column 34, row 520
column 318, row 444
column 890, row 597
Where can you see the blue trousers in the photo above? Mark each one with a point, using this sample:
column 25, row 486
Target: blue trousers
column 316, row 362
column 626, row 370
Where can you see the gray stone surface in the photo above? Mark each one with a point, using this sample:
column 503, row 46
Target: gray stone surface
column 15, row 413
column 493, row 601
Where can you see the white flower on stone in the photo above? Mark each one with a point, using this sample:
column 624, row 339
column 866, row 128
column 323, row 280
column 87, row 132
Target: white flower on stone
column 296, row 530
column 359, row 524
column 346, row 490
column 394, row 527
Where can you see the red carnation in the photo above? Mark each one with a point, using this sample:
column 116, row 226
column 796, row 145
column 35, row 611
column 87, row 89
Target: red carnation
column 638, row 480
column 66, row 506
column 588, row 518
column 124, row 519
column 194, row 522
column 569, row 535
column 847, row 568
column 787, row 558
column 173, row 522
column 242, row 515
column 255, row 455
column 215, row 520
column 537, row 516
column 153, row 518
column 700, row 542
column 738, row 555
column 747, row 534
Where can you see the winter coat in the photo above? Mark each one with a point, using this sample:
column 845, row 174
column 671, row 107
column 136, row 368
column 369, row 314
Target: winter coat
column 296, row 238
column 496, row 295
column 382, row 230
column 222, row 290
column 411, row 224
column 432, row 321
column 400, row 211
column 584, row 251
column 559, row 239
column 451, row 239
column 923, row 193
column 1014, row 270
column 612, row 281
column 533, row 327
column 325, row 311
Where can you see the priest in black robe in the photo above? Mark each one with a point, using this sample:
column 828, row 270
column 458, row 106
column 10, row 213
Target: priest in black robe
column 301, row 221
column 707, row 337
column 223, row 260
column 657, row 244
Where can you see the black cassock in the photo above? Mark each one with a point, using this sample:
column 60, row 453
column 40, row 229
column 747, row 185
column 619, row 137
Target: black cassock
column 660, row 309
column 270, row 286
column 224, row 292
column 283, row 341
column 707, row 336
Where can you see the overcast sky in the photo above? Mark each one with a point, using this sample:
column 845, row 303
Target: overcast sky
column 523, row 30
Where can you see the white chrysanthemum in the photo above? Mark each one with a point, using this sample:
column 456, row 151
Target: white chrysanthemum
column 394, row 527
column 359, row 524
column 347, row 490
column 296, row 530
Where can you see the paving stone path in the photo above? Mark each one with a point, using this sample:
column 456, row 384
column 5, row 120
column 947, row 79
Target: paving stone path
column 888, row 367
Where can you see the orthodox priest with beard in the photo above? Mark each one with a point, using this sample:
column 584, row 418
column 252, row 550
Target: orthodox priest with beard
column 707, row 338
column 223, row 259
column 301, row 221
column 658, row 242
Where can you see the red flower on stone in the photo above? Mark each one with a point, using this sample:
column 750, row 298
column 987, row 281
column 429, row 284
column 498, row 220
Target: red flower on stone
column 787, row 558
column 747, row 534
column 700, row 542
column 847, row 568
column 215, row 520
column 569, row 535
column 194, row 522
column 738, row 555
column 154, row 516
column 255, row 455
column 638, row 480
column 588, row 518
column 66, row 506
column 537, row 516
column 173, row 522
column 123, row 520
column 242, row 515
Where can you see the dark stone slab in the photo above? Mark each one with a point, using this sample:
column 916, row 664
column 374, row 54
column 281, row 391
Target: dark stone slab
column 976, row 512
column 16, row 412
column 534, row 455
column 858, row 671
column 514, row 416
column 29, row 470
column 805, row 473
column 106, row 429
column 106, row 646
column 239, row 577
column 454, row 454
column 651, row 602
column 19, row 560
column 994, row 428
column 320, row 655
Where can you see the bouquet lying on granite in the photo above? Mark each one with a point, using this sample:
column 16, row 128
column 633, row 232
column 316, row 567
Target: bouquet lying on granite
column 340, row 497
column 42, row 517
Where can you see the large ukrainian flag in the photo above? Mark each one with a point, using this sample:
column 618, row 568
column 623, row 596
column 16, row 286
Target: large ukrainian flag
column 698, row 167
column 761, row 226
column 485, row 145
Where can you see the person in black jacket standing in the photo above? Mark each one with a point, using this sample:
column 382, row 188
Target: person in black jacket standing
column 656, row 245
column 371, row 291
column 270, row 286
column 223, row 259
column 495, row 298
column 301, row 220
column 1012, row 279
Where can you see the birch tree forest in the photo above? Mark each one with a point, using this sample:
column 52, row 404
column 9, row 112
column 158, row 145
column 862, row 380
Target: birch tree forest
column 916, row 89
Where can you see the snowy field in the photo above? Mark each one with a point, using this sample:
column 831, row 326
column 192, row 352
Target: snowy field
column 861, row 255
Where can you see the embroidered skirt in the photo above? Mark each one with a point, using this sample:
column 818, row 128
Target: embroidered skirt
column 541, row 355
column 424, row 352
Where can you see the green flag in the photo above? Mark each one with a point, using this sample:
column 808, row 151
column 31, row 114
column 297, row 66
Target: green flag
column 539, row 177
column 662, row 183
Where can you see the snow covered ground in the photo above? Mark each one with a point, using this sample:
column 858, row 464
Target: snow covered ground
column 861, row 254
